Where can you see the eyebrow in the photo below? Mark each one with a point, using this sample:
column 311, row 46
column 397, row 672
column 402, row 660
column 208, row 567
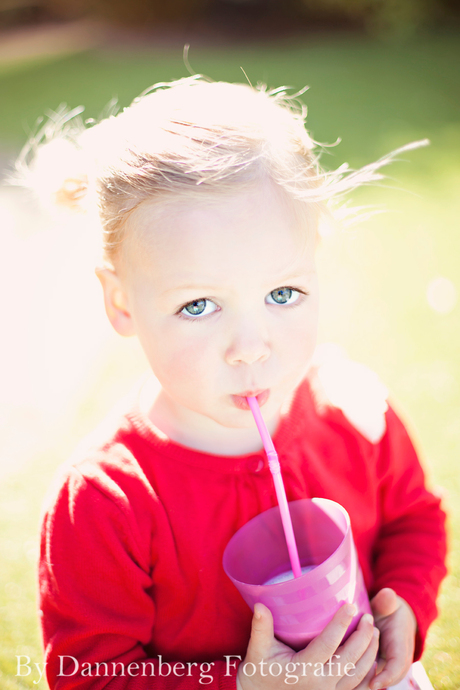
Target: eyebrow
column 194, row 286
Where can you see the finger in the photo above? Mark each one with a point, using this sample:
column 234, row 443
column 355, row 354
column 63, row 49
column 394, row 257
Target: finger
column 384, row 603
column 358, row 654
column 344, row 684
column 364, row 668
column 360, row 640
column 323, row 646
column 261, row 632
column 380, row 665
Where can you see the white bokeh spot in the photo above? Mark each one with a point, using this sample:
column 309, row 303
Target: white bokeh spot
column 441, row 295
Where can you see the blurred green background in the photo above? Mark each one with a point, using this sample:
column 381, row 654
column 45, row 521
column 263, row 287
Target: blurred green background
column 252, row 16
column 389, row 285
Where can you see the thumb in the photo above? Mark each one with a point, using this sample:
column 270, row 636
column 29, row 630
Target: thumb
column 261, row 632
column 384, row 603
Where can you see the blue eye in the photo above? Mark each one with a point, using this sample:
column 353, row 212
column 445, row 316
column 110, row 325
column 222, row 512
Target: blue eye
column 284, row 295
column 199, row 307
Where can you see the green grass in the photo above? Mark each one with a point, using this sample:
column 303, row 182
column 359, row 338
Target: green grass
column 376, row 96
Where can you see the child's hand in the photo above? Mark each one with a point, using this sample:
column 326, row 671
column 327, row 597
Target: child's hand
column 322, row 655
column 397, row 624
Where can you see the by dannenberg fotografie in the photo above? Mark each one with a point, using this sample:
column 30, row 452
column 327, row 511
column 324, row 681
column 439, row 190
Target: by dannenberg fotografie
column 290, row 672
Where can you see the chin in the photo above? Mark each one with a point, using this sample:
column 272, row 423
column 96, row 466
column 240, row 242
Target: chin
column 242, row 420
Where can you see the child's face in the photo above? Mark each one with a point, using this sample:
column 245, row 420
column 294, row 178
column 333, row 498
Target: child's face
column 223, row 296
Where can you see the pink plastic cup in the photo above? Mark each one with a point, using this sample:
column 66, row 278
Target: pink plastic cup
column 302, row 606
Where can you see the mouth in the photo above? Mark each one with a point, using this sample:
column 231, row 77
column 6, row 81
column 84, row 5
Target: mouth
column 240, row 400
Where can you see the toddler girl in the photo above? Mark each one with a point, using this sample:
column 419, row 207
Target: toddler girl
column 209, row 197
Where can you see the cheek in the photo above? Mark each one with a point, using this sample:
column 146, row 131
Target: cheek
column 300, row 335
column 182, row 360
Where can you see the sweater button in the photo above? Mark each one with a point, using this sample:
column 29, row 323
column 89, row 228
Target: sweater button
column 256, row 465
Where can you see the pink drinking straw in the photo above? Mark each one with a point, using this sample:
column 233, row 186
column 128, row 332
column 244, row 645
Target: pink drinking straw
column 275, row 469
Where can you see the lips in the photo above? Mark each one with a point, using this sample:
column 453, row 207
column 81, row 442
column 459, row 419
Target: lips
column 240, row 401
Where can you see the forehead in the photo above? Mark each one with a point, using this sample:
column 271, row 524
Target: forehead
column 247, row 234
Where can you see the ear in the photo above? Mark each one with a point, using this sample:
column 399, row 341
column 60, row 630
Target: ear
column 116, row 302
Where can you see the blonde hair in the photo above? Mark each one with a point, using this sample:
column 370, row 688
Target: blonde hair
column 185, row 138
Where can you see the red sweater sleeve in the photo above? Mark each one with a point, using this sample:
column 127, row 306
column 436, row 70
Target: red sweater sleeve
column 94, row 597
column 410, row 550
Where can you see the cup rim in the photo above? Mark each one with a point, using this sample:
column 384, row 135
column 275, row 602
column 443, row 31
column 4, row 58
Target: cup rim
column 318, row 569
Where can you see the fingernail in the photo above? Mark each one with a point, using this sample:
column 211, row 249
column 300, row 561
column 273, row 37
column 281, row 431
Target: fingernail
column 367, row 618
column 350, row 609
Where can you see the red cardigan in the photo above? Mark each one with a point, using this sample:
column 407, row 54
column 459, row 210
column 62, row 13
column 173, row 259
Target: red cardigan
column 133, row 537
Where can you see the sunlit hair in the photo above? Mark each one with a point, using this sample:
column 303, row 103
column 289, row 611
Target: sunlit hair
column 188, row 138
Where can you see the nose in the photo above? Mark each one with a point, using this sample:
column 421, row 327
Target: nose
column 248, row 344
